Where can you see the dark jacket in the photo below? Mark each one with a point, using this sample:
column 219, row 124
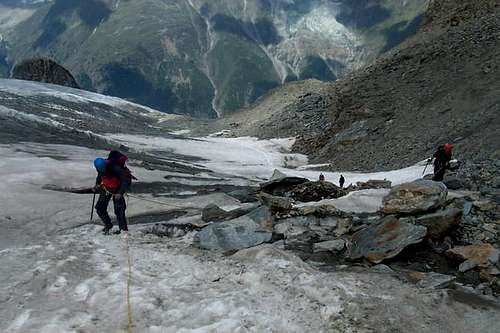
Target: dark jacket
column 441, row 158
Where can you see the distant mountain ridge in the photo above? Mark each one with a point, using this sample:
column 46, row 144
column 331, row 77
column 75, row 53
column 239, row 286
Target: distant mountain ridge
column 198, row 57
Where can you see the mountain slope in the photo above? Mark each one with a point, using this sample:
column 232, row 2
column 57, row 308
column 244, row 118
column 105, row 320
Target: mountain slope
column 441, row 86
column 46, row 113
column 205, row 58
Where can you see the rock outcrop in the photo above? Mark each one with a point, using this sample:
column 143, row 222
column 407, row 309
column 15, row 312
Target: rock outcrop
column 316, row 191
column 419, row 228
column 417, row 197
column 213, row 213
column 236, row 234
column 471, row 256
column 441, row 223
column 373, row 184
column 44, row 70
column 385, row 240
column 281, row 184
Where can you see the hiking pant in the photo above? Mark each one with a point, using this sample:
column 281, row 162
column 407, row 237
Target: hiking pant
column 439, row 171
column 120, row 207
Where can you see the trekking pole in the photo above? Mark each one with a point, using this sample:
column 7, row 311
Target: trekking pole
column 92, row 211
column 425, row 169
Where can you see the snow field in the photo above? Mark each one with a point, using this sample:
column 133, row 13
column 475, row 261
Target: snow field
column 74, row 280
column 256, row 159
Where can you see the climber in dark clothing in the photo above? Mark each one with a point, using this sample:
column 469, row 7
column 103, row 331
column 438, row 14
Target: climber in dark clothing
column 442, row 158
column 113, row 180
column 341, row 181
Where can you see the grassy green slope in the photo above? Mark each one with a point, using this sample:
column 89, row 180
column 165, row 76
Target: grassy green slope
column 242, row 72
column 398, row 21
column 147, row 51
column 156, row 52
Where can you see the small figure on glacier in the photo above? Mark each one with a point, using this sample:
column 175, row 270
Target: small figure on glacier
column 442, row 158
column 342, row 181
column 112, row 182
column 321, row 177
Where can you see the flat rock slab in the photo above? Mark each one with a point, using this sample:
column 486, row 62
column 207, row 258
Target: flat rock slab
column 482, row 255
column 364, row 201
column 440, row 223
column 214, row 213
column 275, row 203
column 263, row 217
column 335, row 245
column 281, row 184
column 416, row 197
column 385, row 240
column 436, row 281
column 236, row 234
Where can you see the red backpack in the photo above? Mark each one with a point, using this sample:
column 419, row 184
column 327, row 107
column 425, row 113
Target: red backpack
column 448, row 150
column 110, row 181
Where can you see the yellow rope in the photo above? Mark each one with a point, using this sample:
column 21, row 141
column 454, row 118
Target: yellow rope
column 129, row 282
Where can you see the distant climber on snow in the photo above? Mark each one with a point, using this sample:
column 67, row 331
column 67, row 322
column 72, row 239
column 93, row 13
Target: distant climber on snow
column 321, row 177
column 342, row 181
column 112, row 182
column 442, row 158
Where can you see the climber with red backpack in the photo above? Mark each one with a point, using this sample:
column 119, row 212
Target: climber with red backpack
column 113, row 180
column 442, row 158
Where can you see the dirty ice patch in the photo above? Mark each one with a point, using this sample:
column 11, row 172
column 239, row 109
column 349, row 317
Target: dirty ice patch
column 19, row 322
column 364, row 201
column 26, row 168
column 245, row 156
column 181, row 132
column 256, row 159
column 397, row 177
column 176, row 289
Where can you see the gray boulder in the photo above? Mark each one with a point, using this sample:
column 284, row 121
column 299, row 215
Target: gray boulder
column 385, row 240
column 335, row 245
column 281, row 184
column 275, row 203
column 213, row 213
column 417, row 197
column 236, row 234
column 326, row 228
column 434, row 280
column 454, row 183
column 302, row 242
column 244, row 195
column 263, row 217
column 440, row 223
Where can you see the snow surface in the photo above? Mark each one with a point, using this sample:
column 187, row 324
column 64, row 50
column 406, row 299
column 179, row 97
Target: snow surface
column 29, row 88
column 256, row 159
column 364, row 201
column 58, row 276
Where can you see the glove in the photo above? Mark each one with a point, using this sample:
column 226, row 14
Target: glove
column 96, row 188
